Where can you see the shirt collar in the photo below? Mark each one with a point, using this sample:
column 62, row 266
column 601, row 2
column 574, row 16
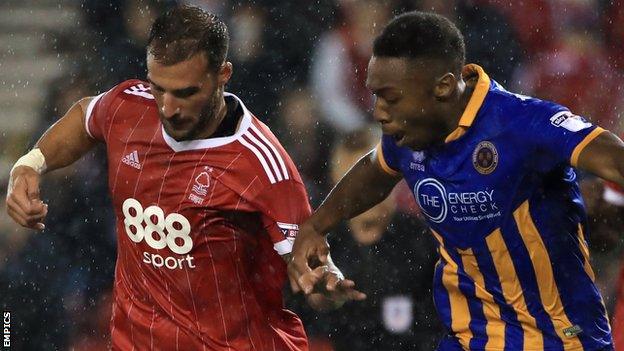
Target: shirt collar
column 476, row 100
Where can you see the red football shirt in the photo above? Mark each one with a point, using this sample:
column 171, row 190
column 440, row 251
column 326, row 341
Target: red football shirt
column 200, row 224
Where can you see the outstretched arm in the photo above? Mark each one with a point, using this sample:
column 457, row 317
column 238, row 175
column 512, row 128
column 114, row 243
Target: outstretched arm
column 365, row 185
column 61, row 145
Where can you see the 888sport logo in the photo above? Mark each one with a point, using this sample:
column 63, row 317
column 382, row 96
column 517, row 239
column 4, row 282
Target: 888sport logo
column 170, row 233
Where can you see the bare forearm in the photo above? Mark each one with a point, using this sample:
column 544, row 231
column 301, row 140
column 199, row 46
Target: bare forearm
column 604, row 157
column 67, row 140
column 364, row 186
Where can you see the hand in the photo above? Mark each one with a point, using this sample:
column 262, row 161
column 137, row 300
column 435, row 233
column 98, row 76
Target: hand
column 309, row 251
column 332, row 290
column 338, row 288
column 23, row 202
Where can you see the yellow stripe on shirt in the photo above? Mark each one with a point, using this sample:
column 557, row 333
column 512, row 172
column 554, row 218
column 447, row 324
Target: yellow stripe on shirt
column 585, row 250
column 495, row 327
column 460, row 314
column 549, row 292
column 587, row 264
column 512, row 290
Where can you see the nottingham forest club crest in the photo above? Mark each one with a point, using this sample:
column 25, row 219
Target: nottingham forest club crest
column 485, row 157
column 201, row 185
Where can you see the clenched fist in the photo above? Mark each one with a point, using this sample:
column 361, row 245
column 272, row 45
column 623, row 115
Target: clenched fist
column 23, row 202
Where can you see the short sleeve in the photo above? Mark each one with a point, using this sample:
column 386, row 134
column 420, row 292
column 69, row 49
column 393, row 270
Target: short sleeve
column 559, row 137
column 101, row 109
column 284, row 205
column 96, row 116
column 388, row 155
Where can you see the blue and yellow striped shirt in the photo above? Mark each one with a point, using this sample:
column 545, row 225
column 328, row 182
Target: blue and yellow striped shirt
column 502, row 200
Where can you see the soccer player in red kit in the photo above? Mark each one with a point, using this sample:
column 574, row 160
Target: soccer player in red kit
column 206, row 200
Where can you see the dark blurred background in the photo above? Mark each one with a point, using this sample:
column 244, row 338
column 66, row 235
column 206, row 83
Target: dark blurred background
column 300, row 66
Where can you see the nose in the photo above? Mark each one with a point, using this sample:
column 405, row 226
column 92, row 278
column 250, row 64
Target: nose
column 379, row 113
column 170, row 105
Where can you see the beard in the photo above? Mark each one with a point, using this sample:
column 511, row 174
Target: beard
column 183, row 128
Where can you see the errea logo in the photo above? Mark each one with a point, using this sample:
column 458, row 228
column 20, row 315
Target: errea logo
column 417, row 158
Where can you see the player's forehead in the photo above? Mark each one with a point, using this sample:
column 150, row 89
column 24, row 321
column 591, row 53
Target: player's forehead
column 190, row 72
column 388, row 73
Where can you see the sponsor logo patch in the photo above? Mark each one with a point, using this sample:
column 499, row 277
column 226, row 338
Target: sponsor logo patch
column 289, row 230
column 569, row 121
column 436, row 202
column 572, row 331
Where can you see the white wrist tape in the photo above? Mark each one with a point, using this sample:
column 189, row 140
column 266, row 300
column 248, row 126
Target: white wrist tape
column 34, row 159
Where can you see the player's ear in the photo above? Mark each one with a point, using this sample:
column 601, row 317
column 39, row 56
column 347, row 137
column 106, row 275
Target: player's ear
column 445, row 86
column 225, row 73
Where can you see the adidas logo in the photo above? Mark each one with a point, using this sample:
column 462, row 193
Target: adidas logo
column 132, row 159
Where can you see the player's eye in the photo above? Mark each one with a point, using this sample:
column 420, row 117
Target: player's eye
column 392, row 100
column 185, row 93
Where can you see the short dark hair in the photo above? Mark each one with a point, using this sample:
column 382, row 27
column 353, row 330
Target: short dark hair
column 417, row 35
column 184, row 31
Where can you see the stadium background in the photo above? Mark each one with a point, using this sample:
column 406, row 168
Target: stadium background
column 300, row 66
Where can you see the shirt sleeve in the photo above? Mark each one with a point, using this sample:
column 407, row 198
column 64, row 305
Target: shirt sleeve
column 559, row 137
column 388, row 155
column 97, row 117
column 284, row 205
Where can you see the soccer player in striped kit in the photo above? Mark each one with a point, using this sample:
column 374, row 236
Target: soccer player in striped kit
column 206, row 200
column 493, row 173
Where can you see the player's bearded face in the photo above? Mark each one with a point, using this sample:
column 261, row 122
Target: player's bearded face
column 188, row 96
column 189, row 126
